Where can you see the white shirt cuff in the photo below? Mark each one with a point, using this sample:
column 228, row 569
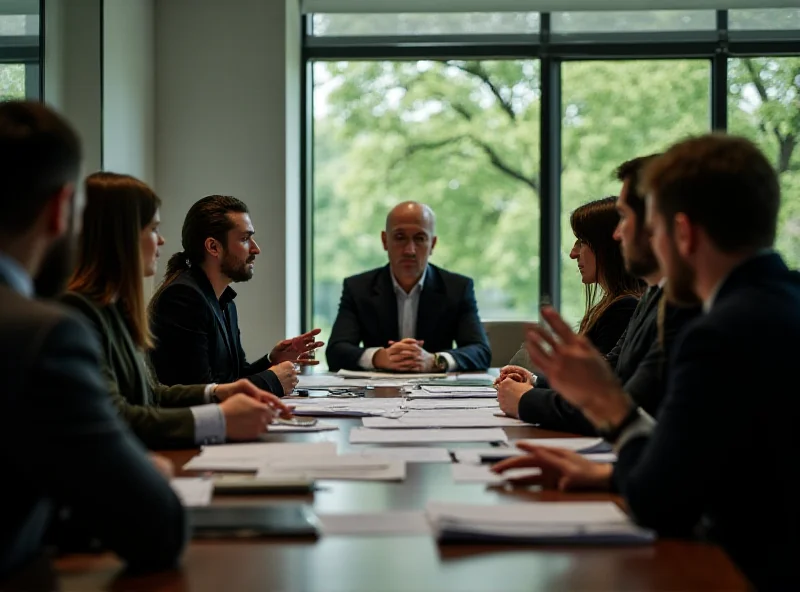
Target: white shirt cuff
column 643, row 426
column 209, row 424
column 365, row 361
column 208, row 391
column 452, row 366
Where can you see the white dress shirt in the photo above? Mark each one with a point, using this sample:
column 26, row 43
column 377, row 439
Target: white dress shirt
column 407, row 310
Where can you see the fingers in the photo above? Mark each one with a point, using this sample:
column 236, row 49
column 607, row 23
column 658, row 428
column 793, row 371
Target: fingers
column 550, row 458
column 515, row 462
column 557, row 324
column 274, row 402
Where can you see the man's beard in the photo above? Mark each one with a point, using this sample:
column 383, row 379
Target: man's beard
column 642, row 261
column 56, row 268
column 235, row 270
column 680, row 282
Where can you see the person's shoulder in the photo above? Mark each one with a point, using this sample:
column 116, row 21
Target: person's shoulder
column 183, row 288
column 365, row 278
column 624, row 303
column 450, row 278
column 83, row 304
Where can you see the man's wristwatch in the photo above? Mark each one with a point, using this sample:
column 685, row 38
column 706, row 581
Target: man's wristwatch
column 440, row 363
column 611, row 433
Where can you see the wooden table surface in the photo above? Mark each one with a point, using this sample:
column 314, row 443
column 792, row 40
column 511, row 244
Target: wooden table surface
column 404, row 563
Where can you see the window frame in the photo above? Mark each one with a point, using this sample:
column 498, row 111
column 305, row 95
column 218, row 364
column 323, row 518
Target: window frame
column 551, row 49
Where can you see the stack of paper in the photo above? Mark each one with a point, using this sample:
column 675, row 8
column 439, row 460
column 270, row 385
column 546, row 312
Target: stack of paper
column 250, row 457
column 453, row 392
column 412, row 436
column 193, row 491
column 321, row 381
column 386, row 375
column 348, row 467
column 535, row 522
column 452, row 418
column 358, row 407
column 419, row 454
column 459, row 403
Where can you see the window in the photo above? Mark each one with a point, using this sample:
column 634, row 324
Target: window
column 19, row 50
column 612, row 112
column 764, row 19
column 461, row 136
column 633, row 21
column 425, row 24
column 764, row 105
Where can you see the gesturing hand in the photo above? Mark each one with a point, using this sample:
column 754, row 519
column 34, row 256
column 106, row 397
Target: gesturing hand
column 564, row 470
column 576, row 369
column 299, row 350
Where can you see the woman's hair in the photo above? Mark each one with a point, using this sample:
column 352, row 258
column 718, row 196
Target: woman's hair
column 594, row 224
column 110, row 267
column 208, row 217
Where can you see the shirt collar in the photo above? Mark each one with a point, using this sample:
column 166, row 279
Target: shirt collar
column 417, row 287
column 16, row 275
column 709, row 302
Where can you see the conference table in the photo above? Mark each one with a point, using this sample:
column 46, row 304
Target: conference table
column 409, row 562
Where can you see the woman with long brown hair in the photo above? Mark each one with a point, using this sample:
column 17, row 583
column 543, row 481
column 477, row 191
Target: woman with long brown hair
column 119, row 247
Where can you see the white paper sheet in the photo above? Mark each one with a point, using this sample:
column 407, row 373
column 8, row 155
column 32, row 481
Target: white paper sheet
column 431, row 420
column 193, row 491
column 386, row 375
column 359, row 407
column 320, row 426
column 421, row 393
column 412, row 436
column 446, row 389
column 576, row 444
column 491, row 454
column 249, row 457
column 312, row 381
column 347, row 467
column 420, row 454
column 398, row 523
column 437, row 404
column 470, row 473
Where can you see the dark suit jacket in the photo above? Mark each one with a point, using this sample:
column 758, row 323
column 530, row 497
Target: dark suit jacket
column 447, row 313
column 197, row 337
column 639, row 360
column 723, row 457
column 66, row 447
column 159, row 415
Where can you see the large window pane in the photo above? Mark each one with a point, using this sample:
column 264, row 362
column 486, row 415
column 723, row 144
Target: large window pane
column 12, row 81
column 448, row 23
column 615, row 111
column 764, row 105
column 632, row 21
column 764, row 19
column 461, row 136
column 19, row 24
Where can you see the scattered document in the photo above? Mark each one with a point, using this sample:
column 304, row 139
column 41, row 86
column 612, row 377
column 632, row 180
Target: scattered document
column 320, row 426
column 468, row 419
column 459, row 389
column 412, row 436
column 249, row 457
column 490, row 454
column 409, row 522
column 437, row 404
column 535, row 522
column 387, row 375
column 419, row 454
column 472, row 473
column 449, row 393
column 348, row 467
column 356, row 407
column 193, row 491
column 321, row 381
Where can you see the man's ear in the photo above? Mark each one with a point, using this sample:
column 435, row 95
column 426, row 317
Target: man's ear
column 433, row 242
column 384, row 239
column 213, row 247
column 684, row 235
column 58, row 213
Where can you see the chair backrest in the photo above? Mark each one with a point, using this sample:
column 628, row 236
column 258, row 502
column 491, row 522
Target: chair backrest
column 505, row 338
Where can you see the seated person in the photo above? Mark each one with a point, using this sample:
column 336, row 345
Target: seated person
column 712, row 209
column 404, row 317
column 67, row 452
column 194, row 319
column 119, row 246
column 640, row 357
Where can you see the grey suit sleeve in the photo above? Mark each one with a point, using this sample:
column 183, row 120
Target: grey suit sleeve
column 344, row 346
column 472, row 346
column 82, row 456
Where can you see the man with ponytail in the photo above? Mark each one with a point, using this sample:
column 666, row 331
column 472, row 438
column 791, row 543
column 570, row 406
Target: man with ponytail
column 194, row 319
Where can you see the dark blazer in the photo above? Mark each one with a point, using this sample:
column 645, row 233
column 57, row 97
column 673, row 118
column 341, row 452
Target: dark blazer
column 159, row 415
column 66, row 447
column 447, row 313
column 639, row 360
column 197, row 337
column 722, row 459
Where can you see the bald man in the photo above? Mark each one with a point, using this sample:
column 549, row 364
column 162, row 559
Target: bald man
column 405, row 316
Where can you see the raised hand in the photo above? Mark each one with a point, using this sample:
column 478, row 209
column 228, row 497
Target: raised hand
column 299, row 350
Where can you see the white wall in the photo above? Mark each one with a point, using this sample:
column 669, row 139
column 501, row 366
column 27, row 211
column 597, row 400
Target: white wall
column 129, row 88
column 222, row 86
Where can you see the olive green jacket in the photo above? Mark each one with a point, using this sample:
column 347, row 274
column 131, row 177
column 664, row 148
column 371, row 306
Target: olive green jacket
column 157, row 414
